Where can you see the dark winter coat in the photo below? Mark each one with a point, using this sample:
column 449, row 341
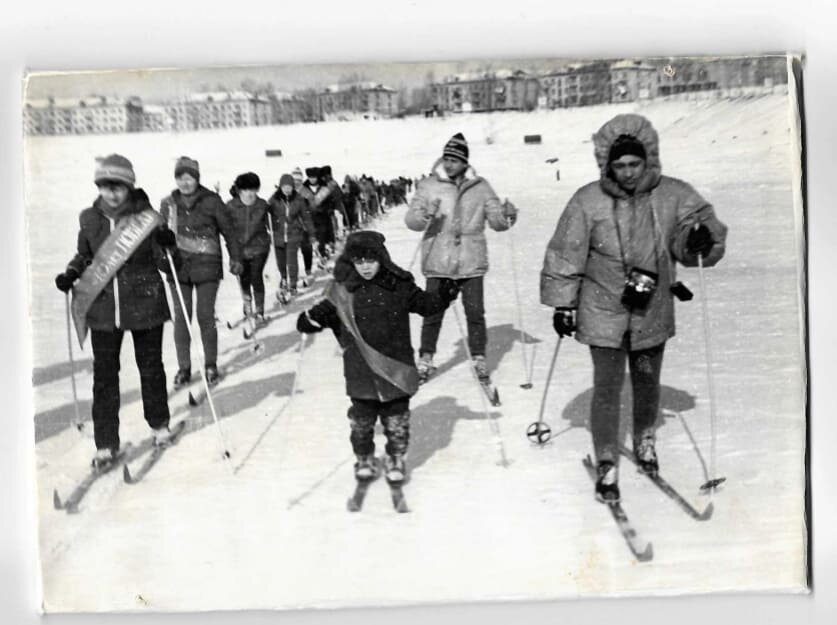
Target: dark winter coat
column 250, row 225
column 137, row 291
column 454, row 244
column 584, row 266
column 290, row 218
column 382, row 308
column 201, row 218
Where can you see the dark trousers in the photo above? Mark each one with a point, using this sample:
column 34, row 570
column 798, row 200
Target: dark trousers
column 148, row 351
column 307, row 253
column 395, row 419
column 287, row 261
column 322, row 227
column 205, row 294
column 252, row 278
column 608, row 377
column 472, row 300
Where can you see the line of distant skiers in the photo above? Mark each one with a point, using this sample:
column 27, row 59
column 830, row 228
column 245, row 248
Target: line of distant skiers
column 123, row 244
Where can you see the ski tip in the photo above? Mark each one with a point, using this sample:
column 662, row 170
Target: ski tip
column 707, row 513
column 527, row 386
column 126, row 475
column 647, row 555
column 192, row 401
column 56, row 500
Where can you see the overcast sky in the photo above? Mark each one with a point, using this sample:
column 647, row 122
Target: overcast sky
column 171, row 83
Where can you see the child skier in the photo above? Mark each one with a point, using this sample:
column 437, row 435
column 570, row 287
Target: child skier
column 117, row 288
column 248, row 213
column 290, row 223
column 367, row 307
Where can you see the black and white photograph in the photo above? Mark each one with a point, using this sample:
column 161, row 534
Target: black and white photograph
column 345, row 335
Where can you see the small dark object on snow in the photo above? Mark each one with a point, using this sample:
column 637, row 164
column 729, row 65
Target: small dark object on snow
column 531, row 138
column 554, row 159
column 273, row 152
column 712, row 484
column 539, row 432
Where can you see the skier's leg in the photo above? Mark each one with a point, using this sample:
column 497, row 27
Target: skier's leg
column 307, row 254
column 472, row 301
column 257, row 264
column 105, row 411
column 608, row 376
column 362, row 416
column 206, row 294
column 181, row 332
column 244, row 282
column 395, row 417
column 645, row 366
column 432, row 324
column 148, row 353
column 293, row 264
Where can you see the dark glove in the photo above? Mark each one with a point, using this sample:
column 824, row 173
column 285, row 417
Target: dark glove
column 449, row 289
column 165, row 238
column 64, row 281
column 509, row 212
column 236, row 268
column 304, row 324
column 699, row 241
column 564, row 321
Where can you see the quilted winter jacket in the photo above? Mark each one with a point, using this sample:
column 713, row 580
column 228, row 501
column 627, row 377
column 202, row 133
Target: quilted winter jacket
column 250, row 226
column 290, row 218
column 454, row 244
column 585, row 264
column 200, row 221
column 138, row 292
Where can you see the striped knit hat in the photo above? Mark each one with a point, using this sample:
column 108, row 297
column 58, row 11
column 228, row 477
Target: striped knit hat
column 115, row 168
column 457, row 147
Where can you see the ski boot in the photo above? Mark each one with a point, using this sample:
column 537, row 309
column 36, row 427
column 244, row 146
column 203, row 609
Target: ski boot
column 247, row 308
column 481, row 369
column 182, row 378
column 283, row 294
column 260, row 320
column 163, row 437
column 366, row 467
column 425, row 367
column 646, row 457
column 396, row 471
column 104, row 460
column 212, row 375
column 607, row 486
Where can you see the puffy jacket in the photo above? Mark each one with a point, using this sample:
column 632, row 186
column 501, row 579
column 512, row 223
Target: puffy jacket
column 250, row 226
column 381, row 308
column 603, row 231
column 290, row 218
column 200, row 218
column 454, row 244
column 138, row 290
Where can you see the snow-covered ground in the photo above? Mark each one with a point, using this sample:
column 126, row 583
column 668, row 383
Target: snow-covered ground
column 269, row 528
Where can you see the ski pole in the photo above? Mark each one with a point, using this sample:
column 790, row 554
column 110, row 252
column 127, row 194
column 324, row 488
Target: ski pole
column 714, row 481
column 495, row 428
column 78, row 423
column 186, row 321
column 540, row 431
column 528, row 384
column 421, row 239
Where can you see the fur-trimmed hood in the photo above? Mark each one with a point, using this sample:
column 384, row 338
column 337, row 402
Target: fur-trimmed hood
column 641, row 129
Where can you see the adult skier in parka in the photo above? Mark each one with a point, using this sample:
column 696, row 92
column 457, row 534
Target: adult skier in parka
column 609, row 270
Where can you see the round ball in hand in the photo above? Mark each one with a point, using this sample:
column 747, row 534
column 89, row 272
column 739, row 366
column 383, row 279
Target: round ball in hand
column 539, row 432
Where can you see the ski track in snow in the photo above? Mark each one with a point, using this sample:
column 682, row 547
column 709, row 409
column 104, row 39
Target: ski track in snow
column 269, row 528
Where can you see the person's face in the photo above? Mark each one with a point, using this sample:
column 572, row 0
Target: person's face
column 627, row 170
column 366, row 267
column 287, row 189
column 113, row 193
column 186, row 183
column 313, row 181
column 454, row 167
column 247, row 196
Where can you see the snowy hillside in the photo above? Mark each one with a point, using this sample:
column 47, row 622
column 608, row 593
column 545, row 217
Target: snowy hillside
column 269, row 528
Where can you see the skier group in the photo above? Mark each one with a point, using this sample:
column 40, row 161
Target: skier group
column 609, row 274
